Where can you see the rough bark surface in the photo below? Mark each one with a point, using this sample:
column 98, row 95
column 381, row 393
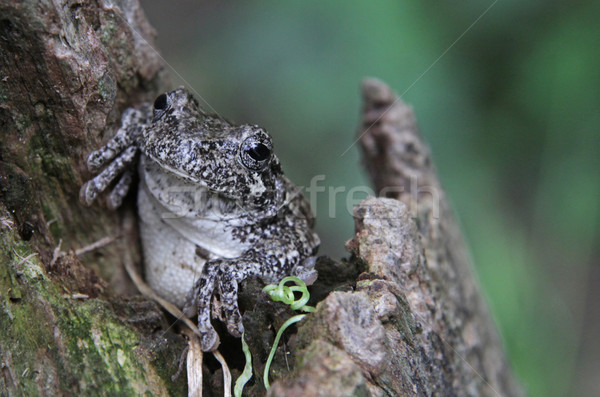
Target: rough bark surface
column 412, row 323
column 67, row 70
column 416, row 323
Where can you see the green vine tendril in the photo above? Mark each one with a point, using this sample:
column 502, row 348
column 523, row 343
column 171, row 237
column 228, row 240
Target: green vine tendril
column 285, row 294
column 246, row 374
column 277, row 293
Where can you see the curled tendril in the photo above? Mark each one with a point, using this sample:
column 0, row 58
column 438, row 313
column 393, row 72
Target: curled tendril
column 285, row 294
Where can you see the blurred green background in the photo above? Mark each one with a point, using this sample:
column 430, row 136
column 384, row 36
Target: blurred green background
column 507, row 93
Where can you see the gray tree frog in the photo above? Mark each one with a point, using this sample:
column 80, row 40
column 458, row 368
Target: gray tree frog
column 214, row 206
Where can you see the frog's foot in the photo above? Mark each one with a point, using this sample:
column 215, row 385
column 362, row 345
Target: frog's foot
column 224, row 275
column 90, row 190
column 118, row 154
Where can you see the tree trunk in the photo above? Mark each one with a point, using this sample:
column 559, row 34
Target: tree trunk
column 413, row 323
column 67, row 70
column 416, row 323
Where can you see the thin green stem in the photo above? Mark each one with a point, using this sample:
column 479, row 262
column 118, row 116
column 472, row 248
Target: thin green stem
column 289, row 322
column 246, row 374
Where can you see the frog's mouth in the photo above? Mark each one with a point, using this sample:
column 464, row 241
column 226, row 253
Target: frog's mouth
column 180, row 173
column 257, row 190
column 219, row 200
column 177, row 193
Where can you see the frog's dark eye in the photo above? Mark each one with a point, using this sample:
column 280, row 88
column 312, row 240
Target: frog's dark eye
column 259, row 152
column 255, row 153
column 161, row 102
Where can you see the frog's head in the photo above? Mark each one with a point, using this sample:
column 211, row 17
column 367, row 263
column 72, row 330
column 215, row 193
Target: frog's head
column 236, row 161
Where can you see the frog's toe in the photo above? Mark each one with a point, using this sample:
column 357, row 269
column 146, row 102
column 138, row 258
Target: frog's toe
column 209, row 340
column 235, row 328
column 98, row 158
column 198, row 302
column 120, row 190
column 306, row 270
column 88, row 193
column 228, row 289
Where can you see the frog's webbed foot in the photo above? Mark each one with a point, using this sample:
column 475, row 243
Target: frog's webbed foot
column 90, row 190
column 223, row 275
column 119, row 153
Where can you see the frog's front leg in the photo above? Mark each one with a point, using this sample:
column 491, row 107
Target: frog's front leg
column 225, row 275
column 132, row 123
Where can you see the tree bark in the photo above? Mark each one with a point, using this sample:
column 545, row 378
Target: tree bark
column 67, row 70
column 416, row 323
column 413, row 322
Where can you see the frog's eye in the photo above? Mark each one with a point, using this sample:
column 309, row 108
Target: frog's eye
column 259, row 152
column 161, row 102
column 255, row 154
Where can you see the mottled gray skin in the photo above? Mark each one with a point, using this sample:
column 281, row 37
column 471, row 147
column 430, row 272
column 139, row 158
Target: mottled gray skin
column 214, row 206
